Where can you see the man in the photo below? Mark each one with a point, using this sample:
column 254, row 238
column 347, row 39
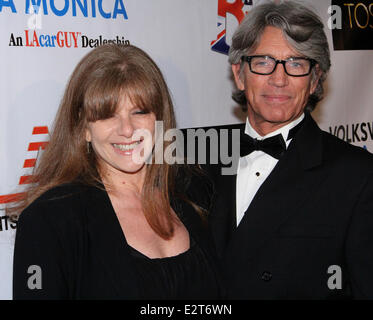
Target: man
column 296, row 222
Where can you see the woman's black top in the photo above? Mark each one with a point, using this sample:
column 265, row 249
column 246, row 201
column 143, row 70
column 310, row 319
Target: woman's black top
column 184, row 276
column 73, row 234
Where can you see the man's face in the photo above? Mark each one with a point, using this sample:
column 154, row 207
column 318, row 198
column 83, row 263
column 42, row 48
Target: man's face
column 277, row 99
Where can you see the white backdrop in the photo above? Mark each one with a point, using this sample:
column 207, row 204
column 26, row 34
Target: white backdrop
column 186, row 38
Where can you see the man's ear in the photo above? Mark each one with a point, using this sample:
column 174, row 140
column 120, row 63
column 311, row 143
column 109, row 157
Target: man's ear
column 316, row 80
column 236, row 69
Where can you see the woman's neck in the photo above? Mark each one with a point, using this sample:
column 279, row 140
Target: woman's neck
column 117, row 181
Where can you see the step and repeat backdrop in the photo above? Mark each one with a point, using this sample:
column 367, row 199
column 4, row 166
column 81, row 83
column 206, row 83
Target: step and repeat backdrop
column 41, row 41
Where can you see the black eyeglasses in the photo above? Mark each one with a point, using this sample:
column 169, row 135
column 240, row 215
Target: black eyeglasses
column 294, row 66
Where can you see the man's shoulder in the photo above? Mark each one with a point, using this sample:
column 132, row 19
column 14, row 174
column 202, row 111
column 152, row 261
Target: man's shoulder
column 219, row 134
column 346, row 152
column 217, row 127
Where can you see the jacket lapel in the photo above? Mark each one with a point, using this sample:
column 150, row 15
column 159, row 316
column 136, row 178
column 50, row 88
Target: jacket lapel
column 282, row 194
column 223, row 219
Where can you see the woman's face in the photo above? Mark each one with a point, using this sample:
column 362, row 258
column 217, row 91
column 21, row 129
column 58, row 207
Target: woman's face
column 123, row 142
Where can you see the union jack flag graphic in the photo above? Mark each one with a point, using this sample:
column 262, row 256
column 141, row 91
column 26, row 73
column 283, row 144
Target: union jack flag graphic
column 238, row 9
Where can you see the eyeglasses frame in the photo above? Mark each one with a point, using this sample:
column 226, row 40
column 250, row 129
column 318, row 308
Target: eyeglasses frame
column 249, row 58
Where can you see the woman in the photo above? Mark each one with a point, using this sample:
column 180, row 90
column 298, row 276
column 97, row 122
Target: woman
column 96, row 223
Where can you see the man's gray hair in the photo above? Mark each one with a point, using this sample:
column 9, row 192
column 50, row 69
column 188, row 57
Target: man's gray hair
column 301, row 27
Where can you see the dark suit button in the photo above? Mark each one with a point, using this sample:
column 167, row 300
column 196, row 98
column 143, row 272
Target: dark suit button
column 266, row 276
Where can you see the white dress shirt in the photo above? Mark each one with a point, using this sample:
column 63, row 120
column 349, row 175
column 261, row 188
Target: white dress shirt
column 254, row 168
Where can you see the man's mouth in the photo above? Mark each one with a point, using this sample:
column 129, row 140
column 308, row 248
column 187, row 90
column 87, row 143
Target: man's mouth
column 276, row 97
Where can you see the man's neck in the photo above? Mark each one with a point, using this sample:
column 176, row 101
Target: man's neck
column 283, row 128
column 265, row 128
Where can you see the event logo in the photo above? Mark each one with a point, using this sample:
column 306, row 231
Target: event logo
column 36, row 9
column 34, row 150
column 354, row 133
column 230, row 14
column 351, row 23
column 61, row 39
column 83, row 8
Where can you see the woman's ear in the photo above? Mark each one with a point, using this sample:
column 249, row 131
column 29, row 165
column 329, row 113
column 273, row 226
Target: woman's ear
column 88, row 136
column 236, row 69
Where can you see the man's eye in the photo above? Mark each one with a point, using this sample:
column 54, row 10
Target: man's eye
column 294, row 64
column 261, row 63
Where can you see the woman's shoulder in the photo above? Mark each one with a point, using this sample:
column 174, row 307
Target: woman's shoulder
column 56, row 220
column 63, row 203
column 69, row 190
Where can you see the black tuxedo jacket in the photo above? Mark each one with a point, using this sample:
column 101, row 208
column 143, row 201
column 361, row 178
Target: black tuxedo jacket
column 313, row 215
column 72, row 233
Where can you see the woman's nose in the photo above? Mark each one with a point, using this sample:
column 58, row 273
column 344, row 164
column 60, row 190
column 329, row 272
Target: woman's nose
column 125, row 126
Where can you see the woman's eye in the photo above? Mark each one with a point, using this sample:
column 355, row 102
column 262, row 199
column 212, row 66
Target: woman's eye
column 140, row 112
column 108, row 118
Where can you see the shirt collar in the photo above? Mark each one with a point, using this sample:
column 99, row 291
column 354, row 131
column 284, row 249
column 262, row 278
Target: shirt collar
column 249, row 130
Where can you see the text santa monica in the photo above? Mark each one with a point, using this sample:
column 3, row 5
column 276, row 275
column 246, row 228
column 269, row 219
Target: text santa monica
column 85, row 8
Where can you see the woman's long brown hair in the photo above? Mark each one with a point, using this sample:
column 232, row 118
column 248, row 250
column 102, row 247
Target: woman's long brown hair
column 93, row 93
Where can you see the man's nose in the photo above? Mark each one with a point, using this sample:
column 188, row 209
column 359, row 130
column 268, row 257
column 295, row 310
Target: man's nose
column 279, row 78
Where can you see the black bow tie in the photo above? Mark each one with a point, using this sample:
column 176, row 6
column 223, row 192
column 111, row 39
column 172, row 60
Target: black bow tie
column 274, row 146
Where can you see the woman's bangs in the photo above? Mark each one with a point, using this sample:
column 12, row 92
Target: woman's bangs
column 142, row 94
column 102, row 98
column 105, row 94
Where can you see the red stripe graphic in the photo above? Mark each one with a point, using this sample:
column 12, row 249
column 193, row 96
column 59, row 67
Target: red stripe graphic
column 34, row 146
column 29, row 163
column 10, row 198
column 25, row 179
column 40, row 130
